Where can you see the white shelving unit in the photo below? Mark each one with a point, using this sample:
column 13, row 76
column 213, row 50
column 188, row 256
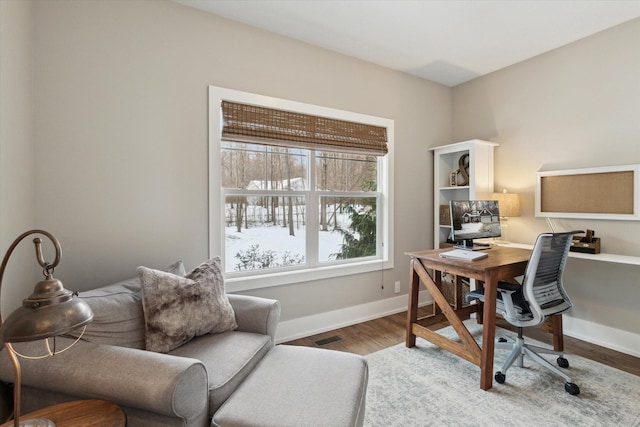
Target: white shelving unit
column 446, row 159
column 603, row 257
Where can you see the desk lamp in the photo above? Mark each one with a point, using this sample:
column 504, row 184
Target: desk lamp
column 49, row 311
column 509, row 204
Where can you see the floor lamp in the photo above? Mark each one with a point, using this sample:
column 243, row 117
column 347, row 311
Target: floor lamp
column 49, row 311
column 509, row 205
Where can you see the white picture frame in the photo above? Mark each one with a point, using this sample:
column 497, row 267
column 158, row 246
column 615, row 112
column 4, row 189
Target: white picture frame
column 608, row 192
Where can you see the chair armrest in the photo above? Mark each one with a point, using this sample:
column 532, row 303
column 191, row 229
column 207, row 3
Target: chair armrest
column 255, row 314
column 159, row 383
column 508, row 303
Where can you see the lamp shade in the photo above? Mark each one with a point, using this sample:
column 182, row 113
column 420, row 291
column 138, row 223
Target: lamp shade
column 49, row 311
column 509, row 203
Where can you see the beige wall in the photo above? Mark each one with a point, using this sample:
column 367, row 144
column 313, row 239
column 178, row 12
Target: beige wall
column 577, row 106
column 121, row 111
column 106, row 144
column 17, row 198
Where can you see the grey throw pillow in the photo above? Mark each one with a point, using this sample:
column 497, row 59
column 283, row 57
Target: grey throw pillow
column 117, row 310
column 177, row 309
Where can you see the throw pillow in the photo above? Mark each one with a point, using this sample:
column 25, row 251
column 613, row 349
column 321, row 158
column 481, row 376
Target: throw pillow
column 117, row 312
column 177, row 309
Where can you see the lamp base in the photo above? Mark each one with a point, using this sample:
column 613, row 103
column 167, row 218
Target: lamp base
column 37, row 422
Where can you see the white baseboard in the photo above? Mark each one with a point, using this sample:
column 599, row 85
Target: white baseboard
column 305, row 326
column 595, row 333
column 602, row 335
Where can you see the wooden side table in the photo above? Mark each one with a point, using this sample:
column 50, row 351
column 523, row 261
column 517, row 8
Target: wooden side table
column 86, row 413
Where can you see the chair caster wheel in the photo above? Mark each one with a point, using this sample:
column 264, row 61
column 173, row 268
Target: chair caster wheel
column 500, row 377
column 572, row 389
column 562, row 362
column 502, row 339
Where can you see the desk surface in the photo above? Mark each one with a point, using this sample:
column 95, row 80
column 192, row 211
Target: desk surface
column 499, row 257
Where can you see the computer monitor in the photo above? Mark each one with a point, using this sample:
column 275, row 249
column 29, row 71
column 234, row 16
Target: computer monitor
column 474, row 219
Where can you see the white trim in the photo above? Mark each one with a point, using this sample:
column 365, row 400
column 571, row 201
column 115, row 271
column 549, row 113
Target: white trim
column 216, row 208
column 602, row 335
column 461, row 146
column 635, row 216
column 603, row 257
column 328, row 321
column 267, row 280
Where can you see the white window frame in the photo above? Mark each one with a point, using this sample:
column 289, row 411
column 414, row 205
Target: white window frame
column 263, row 279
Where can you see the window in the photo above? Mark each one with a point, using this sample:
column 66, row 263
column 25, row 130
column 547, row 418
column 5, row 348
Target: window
column 297, row 192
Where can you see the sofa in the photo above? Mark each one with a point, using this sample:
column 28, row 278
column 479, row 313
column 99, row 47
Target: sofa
column 222, row 378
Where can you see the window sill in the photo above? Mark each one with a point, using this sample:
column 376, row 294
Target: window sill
column 237, row 284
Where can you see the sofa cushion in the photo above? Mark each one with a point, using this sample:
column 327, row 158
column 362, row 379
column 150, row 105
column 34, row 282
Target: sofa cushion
column 117, row 310
column 300, row 386
column 177, row 309
column 229, row 358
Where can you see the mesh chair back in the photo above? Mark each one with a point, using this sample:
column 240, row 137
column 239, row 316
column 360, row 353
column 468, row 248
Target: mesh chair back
column 542, row 285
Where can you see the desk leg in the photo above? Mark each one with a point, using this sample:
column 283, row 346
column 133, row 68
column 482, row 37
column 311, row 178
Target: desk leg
column 479, row 313
column 556, row 330
column 437, row 280
column 412, row 309
column 488, row 329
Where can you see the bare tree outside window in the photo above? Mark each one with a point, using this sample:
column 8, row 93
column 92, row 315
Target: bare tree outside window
column 257, row 215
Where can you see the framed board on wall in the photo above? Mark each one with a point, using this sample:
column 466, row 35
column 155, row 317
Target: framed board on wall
column 609, row 192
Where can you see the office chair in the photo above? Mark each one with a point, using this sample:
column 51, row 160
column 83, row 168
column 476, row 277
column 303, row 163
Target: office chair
column 540, row 295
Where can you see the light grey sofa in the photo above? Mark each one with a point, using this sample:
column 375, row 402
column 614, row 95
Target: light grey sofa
column 189, row 385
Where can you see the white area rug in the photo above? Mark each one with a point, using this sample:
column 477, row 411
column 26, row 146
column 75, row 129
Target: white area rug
column 428, row 386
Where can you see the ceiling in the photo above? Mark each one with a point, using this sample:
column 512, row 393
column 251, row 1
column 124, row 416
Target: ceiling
column 447, row 41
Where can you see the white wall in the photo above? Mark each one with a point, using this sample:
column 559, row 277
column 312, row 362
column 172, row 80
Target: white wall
column 121, row 111
column 577, row 106
column 17, row 198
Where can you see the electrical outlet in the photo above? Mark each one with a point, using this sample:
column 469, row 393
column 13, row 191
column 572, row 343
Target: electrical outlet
column 397, row 290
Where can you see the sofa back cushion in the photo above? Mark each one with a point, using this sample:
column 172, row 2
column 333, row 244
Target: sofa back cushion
column 117, row 310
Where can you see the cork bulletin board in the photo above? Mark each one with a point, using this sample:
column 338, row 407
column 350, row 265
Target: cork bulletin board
column 597, row 193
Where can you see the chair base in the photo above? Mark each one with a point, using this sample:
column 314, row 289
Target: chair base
column 519, row 349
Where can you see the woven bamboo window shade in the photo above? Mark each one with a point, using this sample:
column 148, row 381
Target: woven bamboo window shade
column 268, row 126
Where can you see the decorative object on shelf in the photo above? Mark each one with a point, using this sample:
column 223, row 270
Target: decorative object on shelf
column 587, row 244
column 445, row 215
column 462, row 173
column 49, row 311
column 453, row 178
column 509, row 205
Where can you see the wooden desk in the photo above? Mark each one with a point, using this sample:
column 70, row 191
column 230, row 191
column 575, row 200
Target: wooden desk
column 86, row 413
column 503, row 263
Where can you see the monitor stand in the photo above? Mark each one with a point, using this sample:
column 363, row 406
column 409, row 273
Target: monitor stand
column 469, row 245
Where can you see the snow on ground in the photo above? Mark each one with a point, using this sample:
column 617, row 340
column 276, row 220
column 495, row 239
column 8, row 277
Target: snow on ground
column 277, row 239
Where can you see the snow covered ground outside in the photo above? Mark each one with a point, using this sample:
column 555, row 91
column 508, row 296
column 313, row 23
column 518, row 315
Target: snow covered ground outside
column 277, row 239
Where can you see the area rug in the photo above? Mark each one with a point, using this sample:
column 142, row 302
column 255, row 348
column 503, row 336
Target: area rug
column 428, row 386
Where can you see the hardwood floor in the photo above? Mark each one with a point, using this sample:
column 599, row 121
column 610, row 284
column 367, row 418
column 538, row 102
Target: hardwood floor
column 374, row 335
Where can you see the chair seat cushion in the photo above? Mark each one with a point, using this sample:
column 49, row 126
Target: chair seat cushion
column 229, row 357
column 519, row 304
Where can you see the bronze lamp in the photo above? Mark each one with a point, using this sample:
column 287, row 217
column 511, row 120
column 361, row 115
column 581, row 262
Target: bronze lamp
column 51, row 310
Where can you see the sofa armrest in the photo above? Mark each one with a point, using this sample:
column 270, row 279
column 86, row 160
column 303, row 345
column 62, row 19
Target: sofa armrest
column 159, row 383
column 255, row 314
